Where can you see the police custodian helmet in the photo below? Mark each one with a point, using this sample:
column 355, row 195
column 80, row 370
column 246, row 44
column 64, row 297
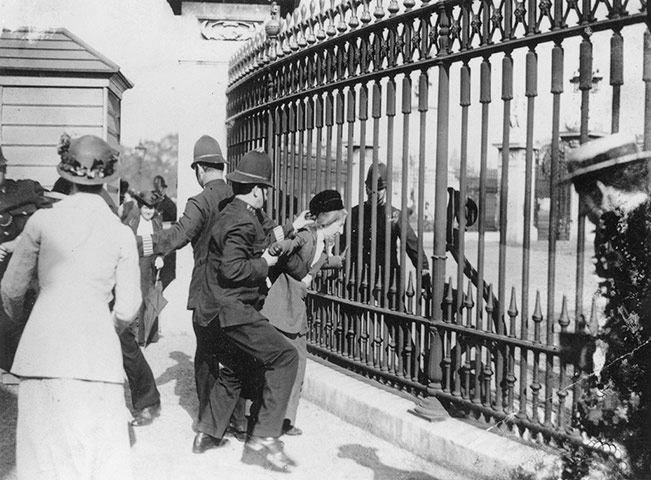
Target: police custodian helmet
column 207, row 152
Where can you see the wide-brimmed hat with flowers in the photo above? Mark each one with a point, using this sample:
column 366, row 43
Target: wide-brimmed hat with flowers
column 87, row 160
column 603, row 153
column 148, row 198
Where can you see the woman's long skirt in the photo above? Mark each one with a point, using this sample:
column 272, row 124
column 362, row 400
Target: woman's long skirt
column 72, row 429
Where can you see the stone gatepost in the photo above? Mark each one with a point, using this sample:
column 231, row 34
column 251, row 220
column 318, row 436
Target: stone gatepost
column 516, row 190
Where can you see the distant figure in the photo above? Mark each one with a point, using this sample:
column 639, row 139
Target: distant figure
column 396, row 233
column 167, row 210
column 166, row 206
column 72, row 421
column 147, row 222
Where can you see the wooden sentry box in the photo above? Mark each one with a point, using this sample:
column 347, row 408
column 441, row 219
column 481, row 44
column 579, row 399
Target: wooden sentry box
column 52, row 82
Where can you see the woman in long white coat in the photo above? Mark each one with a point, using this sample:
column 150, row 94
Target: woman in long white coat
column 72, row 419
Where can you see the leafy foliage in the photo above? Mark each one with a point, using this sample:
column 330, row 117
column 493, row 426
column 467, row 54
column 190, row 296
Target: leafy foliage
column 161, row 158
column 617, row 406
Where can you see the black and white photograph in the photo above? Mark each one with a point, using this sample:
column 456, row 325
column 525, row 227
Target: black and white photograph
column 325, row 239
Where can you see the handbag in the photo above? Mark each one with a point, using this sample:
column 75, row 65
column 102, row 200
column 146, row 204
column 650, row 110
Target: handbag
column 285, row 304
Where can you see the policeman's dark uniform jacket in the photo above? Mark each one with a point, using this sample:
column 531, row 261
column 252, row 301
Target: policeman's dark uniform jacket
column 197, row 220
column 195, row 227
column 19, row 199
column 233, row 292
column 395, row 219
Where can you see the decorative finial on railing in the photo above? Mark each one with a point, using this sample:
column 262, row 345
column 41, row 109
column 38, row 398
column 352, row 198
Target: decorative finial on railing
column 353, row 21
column 378, row 13
column 302, row 24
column 321, row 34
column 272, row 28
column 366, row 13
column 341, row 25
column 393, row 8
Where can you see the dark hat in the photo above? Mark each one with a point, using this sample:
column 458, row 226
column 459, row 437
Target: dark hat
column 254, row 167
column 603, row 153
column 149, row 198
column 158, row 179
column 87, row 160
column 3, row 160
column 381, row 176
column 326, row 201
column 208, row 151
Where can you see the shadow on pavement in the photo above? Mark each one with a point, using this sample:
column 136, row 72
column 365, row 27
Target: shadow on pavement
column 8, row 415
column 367, row 457
column 183, row 374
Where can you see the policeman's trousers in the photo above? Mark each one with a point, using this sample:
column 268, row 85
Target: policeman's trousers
column 253, row 352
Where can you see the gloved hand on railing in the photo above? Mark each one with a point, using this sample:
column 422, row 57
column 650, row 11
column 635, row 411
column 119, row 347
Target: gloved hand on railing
column 426, row 281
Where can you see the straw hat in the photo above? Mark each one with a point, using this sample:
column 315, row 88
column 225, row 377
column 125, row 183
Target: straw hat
column 87, row 160
column 603, row 153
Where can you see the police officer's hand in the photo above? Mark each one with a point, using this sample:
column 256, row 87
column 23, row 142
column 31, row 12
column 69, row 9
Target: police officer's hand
column 269, row 258
column 302, row 220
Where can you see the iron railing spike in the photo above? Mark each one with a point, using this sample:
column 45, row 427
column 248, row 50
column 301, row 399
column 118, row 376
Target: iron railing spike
column 513, row 307
column 564, row 319
column 593, row 326
column 470, row 301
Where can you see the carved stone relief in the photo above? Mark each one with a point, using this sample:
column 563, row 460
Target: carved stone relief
column 228, row 29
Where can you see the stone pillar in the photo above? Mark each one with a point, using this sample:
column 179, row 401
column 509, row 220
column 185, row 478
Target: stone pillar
column 219, row 31
column 368, row 161
column 515, row 201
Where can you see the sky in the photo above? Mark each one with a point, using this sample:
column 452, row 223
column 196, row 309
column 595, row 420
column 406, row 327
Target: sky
column 146, row 43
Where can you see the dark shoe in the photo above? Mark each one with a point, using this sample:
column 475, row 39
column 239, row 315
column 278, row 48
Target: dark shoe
column 146, row 416
column 268, row 453
column 291, row 430
column 203, row 442
column 239, row 435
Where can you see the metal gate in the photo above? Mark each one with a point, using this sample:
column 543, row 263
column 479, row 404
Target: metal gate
column 441, row 92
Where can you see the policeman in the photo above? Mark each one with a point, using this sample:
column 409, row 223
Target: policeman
column 18, row 200
column 194, row 227
column 245, row 342
column 395, row 218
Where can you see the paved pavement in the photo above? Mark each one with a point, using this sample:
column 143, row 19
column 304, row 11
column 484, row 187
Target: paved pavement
column 330, row 448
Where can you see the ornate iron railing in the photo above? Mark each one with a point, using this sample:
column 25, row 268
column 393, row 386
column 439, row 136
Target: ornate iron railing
column 340, row 86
